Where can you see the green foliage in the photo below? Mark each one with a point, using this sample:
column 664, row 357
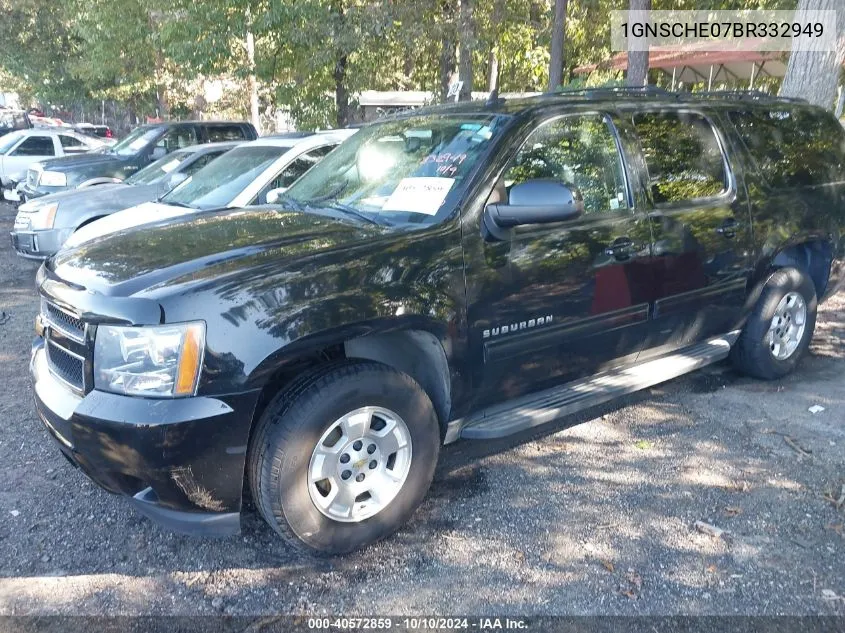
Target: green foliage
column 154, row 54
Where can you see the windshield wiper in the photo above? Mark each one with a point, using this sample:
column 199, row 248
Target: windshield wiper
column 336, row 205
column 291, row 202
column 173, row 203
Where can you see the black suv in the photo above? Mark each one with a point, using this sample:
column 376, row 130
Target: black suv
column 144, row 145
column 469, row 271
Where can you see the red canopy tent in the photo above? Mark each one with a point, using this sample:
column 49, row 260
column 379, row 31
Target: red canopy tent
column 691, row 64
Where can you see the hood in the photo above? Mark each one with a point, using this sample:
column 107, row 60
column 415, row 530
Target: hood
column 201, row 246
column 69, row 164
column 125, row 218
column 106, row 199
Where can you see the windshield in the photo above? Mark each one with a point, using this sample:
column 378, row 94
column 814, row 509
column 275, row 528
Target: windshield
column 219, row 182
column 8, row 140
column 402, row 171
column 136, row 141
column 158, row 169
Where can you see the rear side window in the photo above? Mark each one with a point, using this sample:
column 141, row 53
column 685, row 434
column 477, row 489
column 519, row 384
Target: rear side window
column 220, row 133
column 36, row 146
column 682, row 153
column 793, row 148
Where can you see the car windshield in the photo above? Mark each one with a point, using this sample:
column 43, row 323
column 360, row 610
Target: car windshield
column 136, row 141
column 218, row 183
column 8, row 140
column 410, row 170
column 158, row 169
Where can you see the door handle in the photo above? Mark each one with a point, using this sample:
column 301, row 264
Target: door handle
column 621, row 248
column 729, row 227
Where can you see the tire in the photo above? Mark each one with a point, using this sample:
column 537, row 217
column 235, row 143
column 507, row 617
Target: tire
column 760, row 351
column 294, row 433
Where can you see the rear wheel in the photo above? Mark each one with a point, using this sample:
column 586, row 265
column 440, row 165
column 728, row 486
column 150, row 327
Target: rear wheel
column 342, row 458
column 780, row 328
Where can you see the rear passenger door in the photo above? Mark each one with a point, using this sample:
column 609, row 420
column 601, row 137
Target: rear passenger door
column 701, row 249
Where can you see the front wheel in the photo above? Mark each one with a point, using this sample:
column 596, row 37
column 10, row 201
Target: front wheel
column 344, row 457
column 779, row 330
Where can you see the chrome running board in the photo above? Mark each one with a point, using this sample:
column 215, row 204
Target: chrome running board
column 539, row 408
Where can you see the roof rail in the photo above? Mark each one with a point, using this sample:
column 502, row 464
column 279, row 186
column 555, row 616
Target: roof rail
column 751, row 95
column 613, row 90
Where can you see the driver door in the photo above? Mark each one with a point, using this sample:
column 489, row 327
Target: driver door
column 551, row 303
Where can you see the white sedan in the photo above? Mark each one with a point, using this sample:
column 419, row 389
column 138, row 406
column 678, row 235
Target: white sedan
column 257, row 172
column 18, row 150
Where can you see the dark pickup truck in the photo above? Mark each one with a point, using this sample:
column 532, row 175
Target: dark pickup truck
column 469, row 271
column 146, row 143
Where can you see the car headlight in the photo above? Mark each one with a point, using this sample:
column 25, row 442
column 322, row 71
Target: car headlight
column 53, row 179
column 157, row 361
column 42, row 217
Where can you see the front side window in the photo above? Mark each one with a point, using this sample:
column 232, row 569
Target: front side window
column 137, row 140
column 300, row 165
column 578, row 151
column 177, row 138
column 36, row 146
column 683, row 156
column 405, row 171
column 222, row 180
column 159, row 169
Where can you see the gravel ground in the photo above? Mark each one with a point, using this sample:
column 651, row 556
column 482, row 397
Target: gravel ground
column 596, row 518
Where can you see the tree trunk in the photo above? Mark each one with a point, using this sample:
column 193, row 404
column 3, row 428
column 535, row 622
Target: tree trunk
column 814, row 75
column 466, row 37
column 447, row 47
column 558, row 39
column 341, row 92
column 251, row 83
column 492, row 70
column 637, row 60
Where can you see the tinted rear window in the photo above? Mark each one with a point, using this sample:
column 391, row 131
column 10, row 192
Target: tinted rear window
column 793, row 148
column 219, row 133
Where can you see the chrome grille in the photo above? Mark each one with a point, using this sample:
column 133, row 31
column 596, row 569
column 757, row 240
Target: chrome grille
column 67, row 323
column 66, row 365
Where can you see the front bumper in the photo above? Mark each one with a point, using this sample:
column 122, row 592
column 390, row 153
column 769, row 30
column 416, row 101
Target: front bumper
column 180, row 461
column 38, row 244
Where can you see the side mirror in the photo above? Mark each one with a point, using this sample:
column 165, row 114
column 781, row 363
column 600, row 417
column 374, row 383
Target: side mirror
column 273, row 195
column 539, row 201
column 176, row 179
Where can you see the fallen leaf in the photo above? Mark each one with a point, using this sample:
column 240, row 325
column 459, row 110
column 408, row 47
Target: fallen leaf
column 733, row 511
column 607, row 565
column 712, row 569
column 628, row 593
column 644, row 445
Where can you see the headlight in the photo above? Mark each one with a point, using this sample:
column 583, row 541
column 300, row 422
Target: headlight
column 158, row 361
column 43, row 217
column 53, row 179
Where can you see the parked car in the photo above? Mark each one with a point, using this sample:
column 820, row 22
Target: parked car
column 102, row 132
column 13, row 120
column 144, row 145
column 254, row 173
column 42, row 225
column 470, row 271
column 21, row 149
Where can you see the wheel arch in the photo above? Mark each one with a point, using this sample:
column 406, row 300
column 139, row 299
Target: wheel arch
column 415, row 351
column 813, row 255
